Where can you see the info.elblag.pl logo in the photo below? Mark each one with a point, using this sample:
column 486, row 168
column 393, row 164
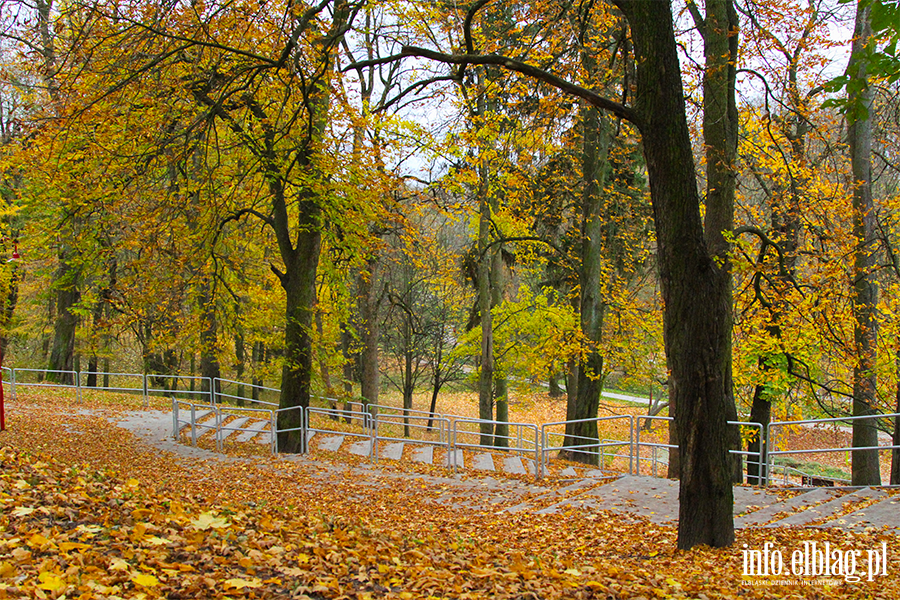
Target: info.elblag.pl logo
column 816, row 560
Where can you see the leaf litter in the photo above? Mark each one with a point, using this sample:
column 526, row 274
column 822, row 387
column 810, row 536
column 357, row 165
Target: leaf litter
column 95, row 513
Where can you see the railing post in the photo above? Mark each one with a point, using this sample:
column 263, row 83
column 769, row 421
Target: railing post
column 174, row 419
column 218, row 428
column 637, row 446
column 373, row 449
column 193, row 425
column 146, row 392
column 77, row 387
column 537, row 455
column 13, row 384
column 273, row 429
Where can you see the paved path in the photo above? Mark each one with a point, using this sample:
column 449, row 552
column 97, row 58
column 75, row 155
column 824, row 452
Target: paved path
column 633, row 497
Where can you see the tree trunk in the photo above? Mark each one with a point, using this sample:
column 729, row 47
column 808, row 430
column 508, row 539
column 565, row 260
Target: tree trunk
column 695, row 289
column 553, row 381
column 591, row 308
column 757, row 453
column 299, row 283
column 368, row 304
column 720, row 129
column 486, row 375
column 257, row 357
column 348, row 369
column 62, row 353
column 209, row 360
column 865, row 469
column 408, row 382
column 240, row 358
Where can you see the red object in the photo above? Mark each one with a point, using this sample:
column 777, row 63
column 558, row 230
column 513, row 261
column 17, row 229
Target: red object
column 2, row 412
column 15, row 253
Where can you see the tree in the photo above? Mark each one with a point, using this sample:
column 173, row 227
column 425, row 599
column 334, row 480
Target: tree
column 695, row 288
column 865, row 463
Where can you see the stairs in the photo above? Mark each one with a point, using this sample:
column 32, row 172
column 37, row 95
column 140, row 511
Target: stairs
column 657, row 500
column 631, row 496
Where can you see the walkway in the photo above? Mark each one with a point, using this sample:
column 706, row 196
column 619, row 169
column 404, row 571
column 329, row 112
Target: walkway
column 633, row 497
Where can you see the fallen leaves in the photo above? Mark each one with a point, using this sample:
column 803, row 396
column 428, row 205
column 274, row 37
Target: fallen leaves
column 102, row 516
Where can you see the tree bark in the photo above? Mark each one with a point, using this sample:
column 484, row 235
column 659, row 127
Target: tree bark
column 62, row 350
column 368, row 305
column 486, row 374
column 695, row 288
column 865, row 468
column 299, row 283
column 590, row 279
column 720, row 129
column 209, row 360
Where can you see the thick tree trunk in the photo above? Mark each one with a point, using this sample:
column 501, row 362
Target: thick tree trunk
column 720, row 129
column 299, row 283
column 865, row 469
column 695, row 289
column 62, row 351
column 501, row 385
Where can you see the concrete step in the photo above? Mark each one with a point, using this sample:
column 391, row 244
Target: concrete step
column 483, row 462
column 826, row 511
column 253, row 429
column 331, row 443
column 234, row 427
column 768, row 511
column 393, row 451
column 361, row 448
column 455, row 458
column 425, row 454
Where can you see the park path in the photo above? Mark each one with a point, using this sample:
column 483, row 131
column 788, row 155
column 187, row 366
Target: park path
column 484, row 480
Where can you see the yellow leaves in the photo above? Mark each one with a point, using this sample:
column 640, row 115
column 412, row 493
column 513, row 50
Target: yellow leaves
column 7, row 570
column 240, row 584
column 209, row 520
column 21, row 511
column 51, row 582
column 144, row 580
column 69, row 546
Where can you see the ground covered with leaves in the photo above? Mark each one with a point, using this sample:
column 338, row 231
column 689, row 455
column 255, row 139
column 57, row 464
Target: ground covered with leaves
column 91, row 511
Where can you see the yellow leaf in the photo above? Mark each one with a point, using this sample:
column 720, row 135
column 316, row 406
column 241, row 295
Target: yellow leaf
column 573, row 572
column 132, row 483
column 37, row 540
column 117, row 564
column 51, row 582
column 7, row 570
column 145, row 580
column 66, row 546
column 240, row 584
column 155, row 540
column 208, row 520
column 22, row 511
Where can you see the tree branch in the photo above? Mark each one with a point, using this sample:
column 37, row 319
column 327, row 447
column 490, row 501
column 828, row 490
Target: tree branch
column 531, row 71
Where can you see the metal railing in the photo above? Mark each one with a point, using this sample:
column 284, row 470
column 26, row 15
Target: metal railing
column 775, row 425
column 18, row 381
column 517, row 442
column 381, row 423
column 584, row 444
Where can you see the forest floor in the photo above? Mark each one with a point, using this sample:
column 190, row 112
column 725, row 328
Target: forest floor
column 91, row 510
